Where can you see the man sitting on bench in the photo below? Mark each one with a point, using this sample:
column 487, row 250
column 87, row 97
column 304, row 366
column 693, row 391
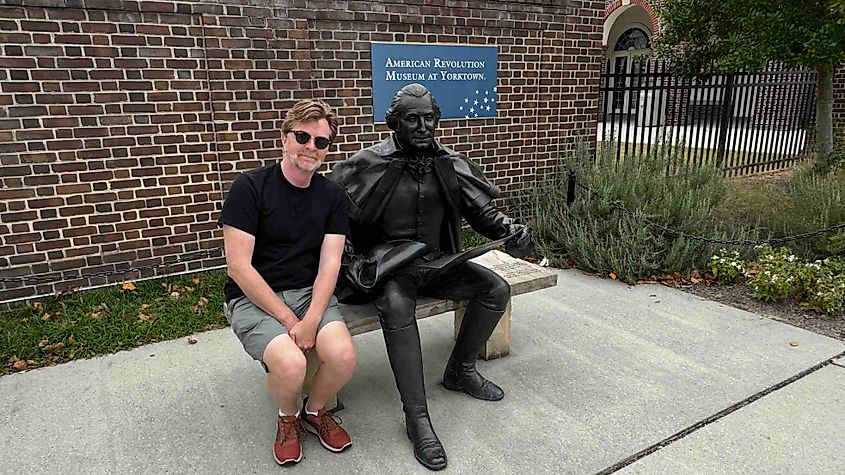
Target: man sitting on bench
column 284, row 228
column 410, row 187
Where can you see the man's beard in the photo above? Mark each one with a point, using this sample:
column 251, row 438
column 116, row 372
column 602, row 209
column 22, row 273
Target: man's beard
column 300, row 164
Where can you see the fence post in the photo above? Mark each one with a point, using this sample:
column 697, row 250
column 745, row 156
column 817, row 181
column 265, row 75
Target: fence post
column 724, row 120
column 570, row 187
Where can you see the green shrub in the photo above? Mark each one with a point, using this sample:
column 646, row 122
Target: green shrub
column 777, row 273
column 806, row 201
column 728, row 267
column 600, row 237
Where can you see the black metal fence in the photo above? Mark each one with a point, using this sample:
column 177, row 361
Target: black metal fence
column 746, row 123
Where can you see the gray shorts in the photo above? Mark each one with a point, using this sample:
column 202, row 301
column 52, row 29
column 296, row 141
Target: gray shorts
column 255, row 328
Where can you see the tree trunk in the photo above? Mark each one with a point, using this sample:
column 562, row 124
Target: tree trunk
column 824, row 117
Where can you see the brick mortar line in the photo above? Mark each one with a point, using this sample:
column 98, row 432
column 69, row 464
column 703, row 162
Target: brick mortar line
column 713, row 418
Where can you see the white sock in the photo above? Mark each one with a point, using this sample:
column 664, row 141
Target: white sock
column 311, row 413
column 282, row 414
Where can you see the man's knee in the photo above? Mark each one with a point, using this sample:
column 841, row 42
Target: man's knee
column 338, row 351
column 284, row 359
column 395, row 307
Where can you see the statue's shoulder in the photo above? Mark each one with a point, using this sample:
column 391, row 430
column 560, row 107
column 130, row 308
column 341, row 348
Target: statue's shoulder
column 470, row 175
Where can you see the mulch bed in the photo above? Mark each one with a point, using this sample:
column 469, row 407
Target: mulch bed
column 787, row 311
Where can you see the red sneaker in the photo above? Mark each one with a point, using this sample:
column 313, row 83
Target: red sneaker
column 327, row 427
column 288, row 445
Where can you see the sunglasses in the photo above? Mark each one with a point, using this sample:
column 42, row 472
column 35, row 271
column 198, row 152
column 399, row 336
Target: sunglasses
column 303, row 137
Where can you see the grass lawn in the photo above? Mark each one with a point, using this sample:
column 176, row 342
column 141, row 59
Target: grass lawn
column 737, row 162
column 102, row 321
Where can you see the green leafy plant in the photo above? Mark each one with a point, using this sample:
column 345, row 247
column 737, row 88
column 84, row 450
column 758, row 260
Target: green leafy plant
column 728, row 267
column 772, row 279
column 600, row 236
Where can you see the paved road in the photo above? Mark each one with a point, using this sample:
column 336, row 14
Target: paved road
column 600, row 375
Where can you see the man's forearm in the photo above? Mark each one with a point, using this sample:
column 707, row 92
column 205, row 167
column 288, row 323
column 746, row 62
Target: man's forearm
column 261, row 295
column 324, row 286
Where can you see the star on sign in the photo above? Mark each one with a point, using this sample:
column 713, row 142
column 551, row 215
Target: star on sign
column 472, row 109
column 475, row 103
column 466, row 100
column 476, row 91
column 488, row 108
column 486, row 100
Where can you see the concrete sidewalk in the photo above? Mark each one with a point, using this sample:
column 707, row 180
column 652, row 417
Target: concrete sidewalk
column 599, row 375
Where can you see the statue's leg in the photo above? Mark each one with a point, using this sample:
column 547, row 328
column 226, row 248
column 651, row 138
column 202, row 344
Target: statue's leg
column 488, row 295
column 396, row 306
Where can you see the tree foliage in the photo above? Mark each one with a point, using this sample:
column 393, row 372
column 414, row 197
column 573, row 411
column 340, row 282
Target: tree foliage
column 701, row 36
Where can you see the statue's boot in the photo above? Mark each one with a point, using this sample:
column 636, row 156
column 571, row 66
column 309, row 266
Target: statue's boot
column 461, row 375
column 405, row 355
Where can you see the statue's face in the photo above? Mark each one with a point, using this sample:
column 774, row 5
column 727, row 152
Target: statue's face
column 415, row 128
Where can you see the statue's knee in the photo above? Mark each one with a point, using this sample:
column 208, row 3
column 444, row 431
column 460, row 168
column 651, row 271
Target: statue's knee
column 396, row 310
column 499, row 294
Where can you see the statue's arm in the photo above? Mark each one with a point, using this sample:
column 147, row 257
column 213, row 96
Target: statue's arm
column 477, row 193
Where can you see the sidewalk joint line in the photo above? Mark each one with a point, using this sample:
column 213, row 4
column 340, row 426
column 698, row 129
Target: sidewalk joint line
column 837, row 364
column 713, row 418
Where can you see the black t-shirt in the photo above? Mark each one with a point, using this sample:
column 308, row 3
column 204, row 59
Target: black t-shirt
column 289, row 224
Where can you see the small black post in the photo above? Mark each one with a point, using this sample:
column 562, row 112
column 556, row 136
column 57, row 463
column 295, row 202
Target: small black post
column 570, row 188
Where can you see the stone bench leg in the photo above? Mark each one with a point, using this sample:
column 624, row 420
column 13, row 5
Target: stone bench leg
column 499, row 343
column 312, row 364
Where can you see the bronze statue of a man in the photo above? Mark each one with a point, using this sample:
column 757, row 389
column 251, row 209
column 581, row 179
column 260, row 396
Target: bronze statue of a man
column 410, row 187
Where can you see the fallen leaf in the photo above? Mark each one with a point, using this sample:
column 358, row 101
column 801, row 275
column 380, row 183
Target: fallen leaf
column 192, row 340
column 695, row 277
column 128, row 286
column 50, row 317
column 793, row 343
column 31, row 362
column 196, row 280
column 54, row 347
column 612, row 276
column 37, row 307
column 174, row 295
column 145, row 306
column 146, row 317
column 19, row 365
column 45, row 340
column 202, row 301
column 196, row 308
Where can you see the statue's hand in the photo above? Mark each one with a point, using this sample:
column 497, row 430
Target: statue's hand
column 522, row 244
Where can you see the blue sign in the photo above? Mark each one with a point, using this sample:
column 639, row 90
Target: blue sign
column 461, row 78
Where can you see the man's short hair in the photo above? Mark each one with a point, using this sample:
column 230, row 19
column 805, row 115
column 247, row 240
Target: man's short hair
column 307, row 111
column 397, row 107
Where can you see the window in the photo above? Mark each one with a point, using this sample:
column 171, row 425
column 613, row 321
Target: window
column 633, row 38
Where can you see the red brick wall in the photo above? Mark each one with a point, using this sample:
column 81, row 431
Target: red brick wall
column 122, row 123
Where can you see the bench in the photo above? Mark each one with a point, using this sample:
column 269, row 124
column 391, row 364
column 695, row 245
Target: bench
column 522, row 276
